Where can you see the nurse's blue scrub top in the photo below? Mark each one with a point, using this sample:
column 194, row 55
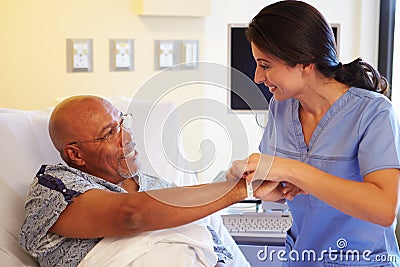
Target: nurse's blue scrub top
column 359, row 134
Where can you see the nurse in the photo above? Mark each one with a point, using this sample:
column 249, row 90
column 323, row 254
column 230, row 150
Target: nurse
column 332, row 140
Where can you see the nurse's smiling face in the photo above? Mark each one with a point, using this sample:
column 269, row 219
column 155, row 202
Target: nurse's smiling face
column 283, row 81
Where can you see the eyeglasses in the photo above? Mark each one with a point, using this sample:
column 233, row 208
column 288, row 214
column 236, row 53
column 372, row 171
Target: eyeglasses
column 126, row 122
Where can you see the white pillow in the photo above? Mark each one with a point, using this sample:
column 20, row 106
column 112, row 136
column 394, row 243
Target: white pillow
column 25, row 145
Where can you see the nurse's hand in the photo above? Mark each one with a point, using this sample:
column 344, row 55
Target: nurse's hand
column 275, row 191
column 268, row 190
column 255, row 167
column 290, row 191
column 264, row 167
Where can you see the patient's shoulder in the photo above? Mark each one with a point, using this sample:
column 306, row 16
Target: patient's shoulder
column 61, row 180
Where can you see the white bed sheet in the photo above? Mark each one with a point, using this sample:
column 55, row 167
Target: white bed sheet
column 189, row 245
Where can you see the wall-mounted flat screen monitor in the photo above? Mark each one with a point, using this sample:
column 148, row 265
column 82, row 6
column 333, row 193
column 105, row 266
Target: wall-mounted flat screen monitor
column 240, row 58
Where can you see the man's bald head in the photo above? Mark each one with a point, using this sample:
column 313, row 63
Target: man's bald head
column 73, row 118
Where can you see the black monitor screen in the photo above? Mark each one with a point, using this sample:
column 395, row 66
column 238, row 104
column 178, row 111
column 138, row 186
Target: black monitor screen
column 241, row 59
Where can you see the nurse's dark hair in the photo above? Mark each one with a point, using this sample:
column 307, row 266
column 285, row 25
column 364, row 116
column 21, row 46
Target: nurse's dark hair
column 297, row 33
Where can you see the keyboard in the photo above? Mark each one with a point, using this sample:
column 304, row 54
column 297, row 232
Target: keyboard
column 260, row 225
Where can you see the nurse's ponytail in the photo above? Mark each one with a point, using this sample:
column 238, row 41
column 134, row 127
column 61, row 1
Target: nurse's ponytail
column 359, row 73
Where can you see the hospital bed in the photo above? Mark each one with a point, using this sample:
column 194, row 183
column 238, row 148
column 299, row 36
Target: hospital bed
column 25, row 145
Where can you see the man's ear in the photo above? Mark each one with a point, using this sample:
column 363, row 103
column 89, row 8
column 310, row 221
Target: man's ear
column 73, row 153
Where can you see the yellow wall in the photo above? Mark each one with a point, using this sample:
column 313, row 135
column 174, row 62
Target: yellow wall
column 33, row 48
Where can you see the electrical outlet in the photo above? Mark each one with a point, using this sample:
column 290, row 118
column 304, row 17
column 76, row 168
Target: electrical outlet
column 79, row 55
column 166, row 53
column 121, row 54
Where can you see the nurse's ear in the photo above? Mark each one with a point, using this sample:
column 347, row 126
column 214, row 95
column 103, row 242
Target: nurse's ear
column 307, row 68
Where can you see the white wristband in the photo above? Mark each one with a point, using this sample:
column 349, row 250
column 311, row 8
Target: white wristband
column 249, row 187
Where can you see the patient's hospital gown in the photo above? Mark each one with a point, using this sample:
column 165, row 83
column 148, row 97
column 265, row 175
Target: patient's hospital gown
column 50, row 193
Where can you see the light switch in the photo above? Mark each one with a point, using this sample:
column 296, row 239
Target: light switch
column 190, row 53
column 79, row 55
column 121, row 54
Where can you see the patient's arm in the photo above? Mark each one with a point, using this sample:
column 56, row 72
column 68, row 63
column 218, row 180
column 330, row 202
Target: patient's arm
column 100, row 213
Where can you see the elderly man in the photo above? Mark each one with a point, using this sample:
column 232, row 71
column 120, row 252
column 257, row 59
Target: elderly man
column 100, row 193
